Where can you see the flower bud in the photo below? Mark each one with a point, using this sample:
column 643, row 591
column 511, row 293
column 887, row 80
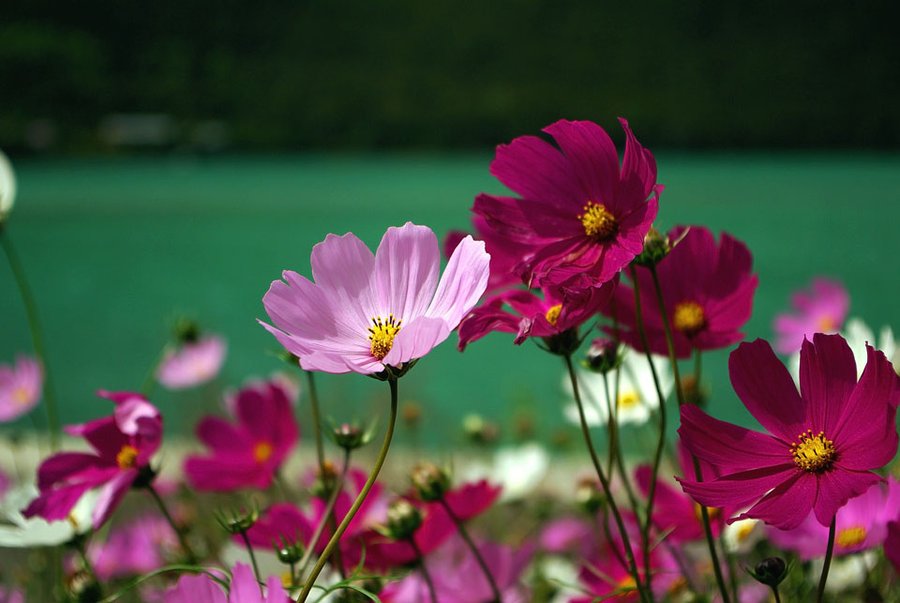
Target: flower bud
column 430, row 481
column 289, row 552
column 326, row 479
column 187, row 331
column 350, row 437
column 603, row 355
column 7, row 187
column 403, row 519
column 238, row 521
column 771, row 571
column 480, row 431
column 656, row 247
column 588, row 496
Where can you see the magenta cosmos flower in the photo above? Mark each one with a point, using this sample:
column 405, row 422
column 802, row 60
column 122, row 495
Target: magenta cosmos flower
column 580, row 216
column 505, row 256
column 707, row 289
column 192, row 363
column 243, row 589
column 249, row 453
column 20, row 388
column 365, row 312
column 823, row 442
column 123, row 445
column 820, row 309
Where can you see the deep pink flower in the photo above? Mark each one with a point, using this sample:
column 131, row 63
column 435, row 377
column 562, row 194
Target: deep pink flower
column 139, row 547
column 528, row 315
column 820, row 309
column 12, row 595
column 365, row 312
column 123, row 445
column 247, row 454
column 824, row 440
column 892, row 544
column 505, row 256
column 707, row 289
column 860, row 525
column 201, row 588
column 20, row 387
column 457, row 577
column 580, row 217
column 193, row 363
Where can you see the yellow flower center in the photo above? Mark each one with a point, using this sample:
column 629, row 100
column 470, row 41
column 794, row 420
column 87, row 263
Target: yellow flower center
column 849, row 537
column 813, row 452
column 689, row 317
column 744, row 531
column 713, row 512
column 628, row 399
column 826, row 324
column 20, row 396
column 598, row 222
column 262, row 451
column 127, row 456
column 552, row 314
column 381, row 334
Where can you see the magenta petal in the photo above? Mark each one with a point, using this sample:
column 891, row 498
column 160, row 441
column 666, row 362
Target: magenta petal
column 111, row 495
column 244, row 588
column 406, row 271
column 827, row 378
column 195, row 589
column 837, row 487
column 765, row 387
column 56, row 504
column 61, row 466
column 737, row 490
column 593, row 157
column 462, row 284
column 729, row 447
column 787, row 505
column 536, row 170
column 219, row 434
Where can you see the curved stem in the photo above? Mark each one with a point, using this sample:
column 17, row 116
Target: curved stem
column 704, row 512
column 379, row 461
column 328, row 513
column 604, row 482
column 192, row 558
column 829, row 551
column 252, row 555
column 478, row 558
column 37, row 336
column 616, row 449
column 424, row 570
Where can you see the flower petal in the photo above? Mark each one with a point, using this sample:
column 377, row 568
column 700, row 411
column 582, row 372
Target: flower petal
column 593, row 159
column 462, row 284
column 406, row 271
column 737, row 490
column 344, row 268
column 787, row 505
column 827, row 379
column 838, row 486
column 536, row 170
column 727, row 446
column 416, row 339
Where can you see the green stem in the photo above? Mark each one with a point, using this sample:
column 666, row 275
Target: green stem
column 81, row 547
column 252, row 555
column 317, row 420
column 328, row 513
column 829, row 551
column 616, row 449
column 379, row 461
column 704, row 512
column 37, row 337
column 604, row 482
column 192, row 558
column 777, row 596
column 478, row 558
column 424, row 570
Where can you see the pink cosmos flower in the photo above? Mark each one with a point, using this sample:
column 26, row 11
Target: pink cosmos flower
column 820, row 309
column 366, row 312
column 193, row 363
column 824, row 443
column 707, row 289
column 20, row 388
column 123, row 445
column 247, row 454
column 138, row 547
column 529, row 315
column 580, row 216
column 12, row 595
column 457, row 577
column 201, row 588
column 860, row 525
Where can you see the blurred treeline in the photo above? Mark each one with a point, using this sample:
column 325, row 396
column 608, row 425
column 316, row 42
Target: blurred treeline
column 360, row 74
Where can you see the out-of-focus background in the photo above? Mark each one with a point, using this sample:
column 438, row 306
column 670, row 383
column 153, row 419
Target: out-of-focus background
column 173, row 158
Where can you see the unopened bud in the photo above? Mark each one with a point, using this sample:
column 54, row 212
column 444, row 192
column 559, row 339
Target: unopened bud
column 430, row 481
column 350, row 437
column 403, row 519
column 656, row 247
column 603, row 355
column 588, row 496
column 186, row 331
column 238, row 521
column 480, row 431
column 771, row 571
column 289, row 553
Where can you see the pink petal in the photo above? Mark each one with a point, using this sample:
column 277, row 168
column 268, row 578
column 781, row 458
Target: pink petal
column 788, row 504
column 345, row 268
column 462, row 284
column 244, row 588
column 737, row 490
column 416, row 339
column 195, row 589
column 594, row 161
column 726, row 446
column 111, row 495
column 536, row 170
column 838, row 486
column 61, row 466
column 219, row 434
column 638, row 178
column 827, row 379
column 406, row 271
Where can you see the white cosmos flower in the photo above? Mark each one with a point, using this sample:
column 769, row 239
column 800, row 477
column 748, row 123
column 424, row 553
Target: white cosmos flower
column 7, row 186
column 858, row 334
column 518, row 469
column 846, row 572
column 18, row 531
column 637, row 392
column 742, row 535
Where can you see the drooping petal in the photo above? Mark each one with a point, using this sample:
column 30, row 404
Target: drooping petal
column 837, row 487
column 462, row 284
column 406, row 271
column 827, row 379
column 727, row 446
column 788, row 504
column 111, row 495
column 737, row 490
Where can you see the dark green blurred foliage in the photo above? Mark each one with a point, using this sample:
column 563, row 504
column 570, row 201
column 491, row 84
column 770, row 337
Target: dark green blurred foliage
column 405, row 73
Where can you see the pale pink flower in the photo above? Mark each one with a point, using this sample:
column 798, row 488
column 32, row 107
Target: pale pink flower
column 192, row 363
column 20, row 387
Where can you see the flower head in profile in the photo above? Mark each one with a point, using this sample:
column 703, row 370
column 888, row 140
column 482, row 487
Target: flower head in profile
column 201, row 588
column 20, row 387
column 823, row 442
column 192, row 362
column 249, row 453
column 580, row 216
column 366, row 311
column 707, row 288
column 7, row 187
column 122, row 444
column 18, row 531
column 821, row 308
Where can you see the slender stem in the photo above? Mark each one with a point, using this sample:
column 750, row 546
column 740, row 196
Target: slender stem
column 704, row 512
column 81, row 547
column 317, row 420
column 424, row 570
column 698, row 366
column 379, row 461
column 252, row 555
column 729, row 563
column 661, row 440
column 612, row 424
column 777, row 596
column 829, row 551
column 478, row 558
column 37, row 337
column 604, row 482
column 329, row 512
column 192, row 558
column 616, row 450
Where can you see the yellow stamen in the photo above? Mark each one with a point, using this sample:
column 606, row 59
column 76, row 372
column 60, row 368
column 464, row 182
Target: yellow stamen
column 628, row 399
column 382, row 334
column 826, row 324
column 20, row 396
column 744, row 531
column 598, row 222
column 552, row 314
column 689, row 317
column 713, row 512
column 262, row 452
column 814, row 452
column 850, row 537
column 127, row 456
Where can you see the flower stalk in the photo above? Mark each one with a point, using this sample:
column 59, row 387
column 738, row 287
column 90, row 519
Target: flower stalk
column 460, row 526
column 829, row 553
